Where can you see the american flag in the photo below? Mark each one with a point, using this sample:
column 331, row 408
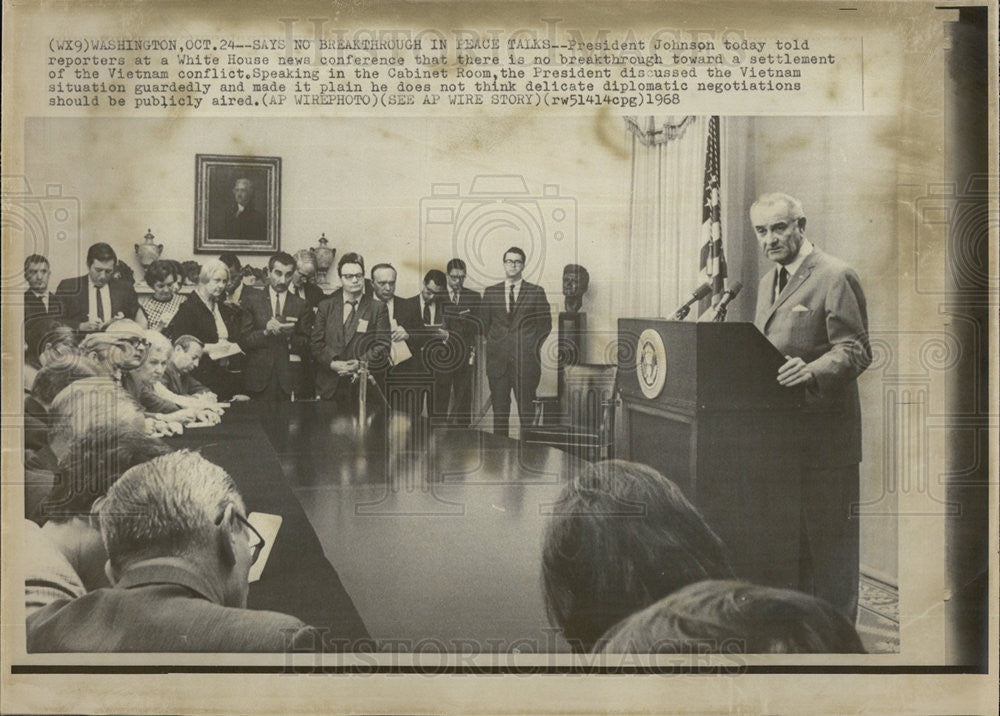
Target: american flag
column 712, row 260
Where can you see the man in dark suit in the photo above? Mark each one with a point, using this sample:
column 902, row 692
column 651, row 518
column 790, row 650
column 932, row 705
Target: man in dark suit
column 812, row 308
column 240, row 220
column 180, row 581
column 453, row 383
column 91, row 301
column 350, row 327
column 421, row 317
column 516, row 320
column 303, row 285
column 276, row 326
column 41, row 307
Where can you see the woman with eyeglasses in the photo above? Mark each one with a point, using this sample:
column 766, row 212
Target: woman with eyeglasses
column 206, row 316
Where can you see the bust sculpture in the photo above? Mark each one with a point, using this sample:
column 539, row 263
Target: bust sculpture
column 576, row 281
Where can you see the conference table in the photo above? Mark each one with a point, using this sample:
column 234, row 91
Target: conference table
column 428, row 540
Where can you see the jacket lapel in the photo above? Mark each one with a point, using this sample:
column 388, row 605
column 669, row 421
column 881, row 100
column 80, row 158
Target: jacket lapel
column 794, row 283
column 352, row 325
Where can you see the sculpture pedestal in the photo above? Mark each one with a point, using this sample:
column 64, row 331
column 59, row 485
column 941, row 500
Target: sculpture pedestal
column 571, row 346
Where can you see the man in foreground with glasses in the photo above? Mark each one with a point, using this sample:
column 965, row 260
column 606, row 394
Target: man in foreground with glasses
column 350, row 327
column 516, row 321
column 179, row 554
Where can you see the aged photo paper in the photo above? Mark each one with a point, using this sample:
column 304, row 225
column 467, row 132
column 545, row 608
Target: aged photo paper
column 629, row 138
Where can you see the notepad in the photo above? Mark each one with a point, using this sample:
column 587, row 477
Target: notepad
column 268, row 526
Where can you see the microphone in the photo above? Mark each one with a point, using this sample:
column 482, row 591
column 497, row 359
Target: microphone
column 699, row 293
column 728, row 295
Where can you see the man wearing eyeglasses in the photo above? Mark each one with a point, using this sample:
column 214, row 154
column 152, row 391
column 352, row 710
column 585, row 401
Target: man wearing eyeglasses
column 516, row 320
column 351, row 327
column 180, row 580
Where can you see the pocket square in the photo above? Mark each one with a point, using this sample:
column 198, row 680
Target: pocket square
column 801, row 309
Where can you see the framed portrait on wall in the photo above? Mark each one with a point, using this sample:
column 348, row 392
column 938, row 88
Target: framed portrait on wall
column 237, row 204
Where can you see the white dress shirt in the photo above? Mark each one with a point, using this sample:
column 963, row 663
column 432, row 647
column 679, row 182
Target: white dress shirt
column 105, row 301
column 506, row 292
column 804, row 250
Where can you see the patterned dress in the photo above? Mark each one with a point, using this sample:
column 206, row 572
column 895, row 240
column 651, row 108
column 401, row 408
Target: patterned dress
column 159, row 313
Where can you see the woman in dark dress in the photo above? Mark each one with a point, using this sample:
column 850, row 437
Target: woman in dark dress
column 217, row 324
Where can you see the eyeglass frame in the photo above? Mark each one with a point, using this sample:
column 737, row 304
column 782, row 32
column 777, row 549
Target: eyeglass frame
column 256, row 548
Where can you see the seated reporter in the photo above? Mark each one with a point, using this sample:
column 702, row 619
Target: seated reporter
column 141, row 384
column 177, row 378
column 731, row 617
column 120, row 348
column 51, row 379
column 621, row 537
column 65, row 555
column 179, row 553
column 85, row 406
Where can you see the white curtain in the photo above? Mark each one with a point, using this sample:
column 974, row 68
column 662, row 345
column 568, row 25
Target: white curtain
column 664, row 239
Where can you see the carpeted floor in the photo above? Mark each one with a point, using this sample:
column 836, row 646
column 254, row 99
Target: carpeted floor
column 878, row 616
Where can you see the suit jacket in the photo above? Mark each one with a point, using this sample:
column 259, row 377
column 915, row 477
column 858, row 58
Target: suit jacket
column 311, row 294
column 821, row 317
column 182, row 383
column 365, row 337
column 514, row 341
column 162, row 605
column 74, row 296
column 38, row 319
column 267, row 355
column 463, row 322
column 406, row 313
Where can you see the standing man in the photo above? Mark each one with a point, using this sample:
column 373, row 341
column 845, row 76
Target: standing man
column 93, row 300
column 516, row 320
column 812, row 308
column 404, row 318
column 461, row 310
column 303, row 283
column 276, row 325
column 350, row 327
column 422, row 319
column 41, row 307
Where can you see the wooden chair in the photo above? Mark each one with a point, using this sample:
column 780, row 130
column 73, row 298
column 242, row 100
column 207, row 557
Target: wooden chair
column 584, row 423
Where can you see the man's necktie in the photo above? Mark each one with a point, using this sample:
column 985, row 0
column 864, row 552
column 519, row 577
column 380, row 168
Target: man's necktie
column 782, row 279
column 350, row 315
column 277, row 306
column 427, row 314
column 510, row 305
column 100, row 305
column 454, row 297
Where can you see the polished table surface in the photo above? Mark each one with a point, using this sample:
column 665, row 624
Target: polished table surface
column 435, row 535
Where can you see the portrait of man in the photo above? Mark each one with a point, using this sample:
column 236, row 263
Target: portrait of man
column 237, row 204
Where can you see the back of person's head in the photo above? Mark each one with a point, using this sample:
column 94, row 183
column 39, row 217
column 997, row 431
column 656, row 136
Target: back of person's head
column 94, row 460
column 91, row 404
column 731, row 617
column 48, row 338
column 230, row 260
column 170, row 506
column 55, row 376
column 621, row 537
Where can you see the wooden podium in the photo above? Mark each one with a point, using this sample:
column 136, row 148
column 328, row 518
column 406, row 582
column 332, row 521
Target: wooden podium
column 701, row 404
